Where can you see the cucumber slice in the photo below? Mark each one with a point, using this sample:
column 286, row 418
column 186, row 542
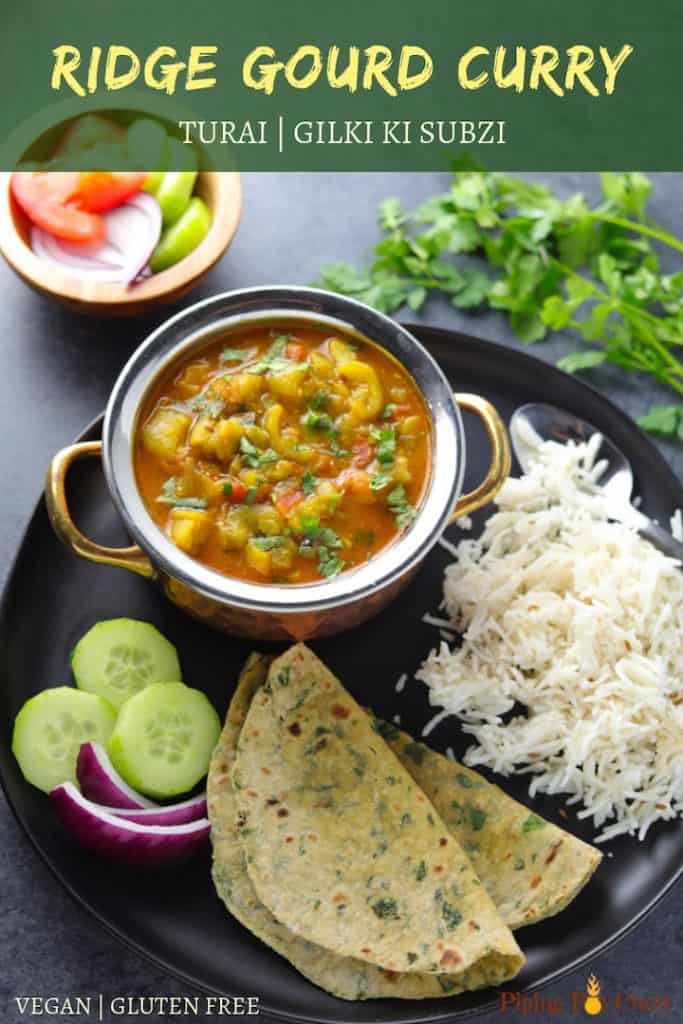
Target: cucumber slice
column 173, row 194
column 49, row 731
column 181, row 238
column 152, row 181
column 119, row 657
column 164, row 738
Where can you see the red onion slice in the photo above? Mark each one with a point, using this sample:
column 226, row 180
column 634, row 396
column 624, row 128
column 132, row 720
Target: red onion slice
column 128, row 842
column 133, row 230
column 101, row 783
column 174, row 814
column 96, row 261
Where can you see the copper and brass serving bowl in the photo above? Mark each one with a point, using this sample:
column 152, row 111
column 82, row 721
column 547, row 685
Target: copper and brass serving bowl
column 268, row 611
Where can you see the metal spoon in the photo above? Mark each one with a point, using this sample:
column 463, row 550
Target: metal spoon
column 553, row 424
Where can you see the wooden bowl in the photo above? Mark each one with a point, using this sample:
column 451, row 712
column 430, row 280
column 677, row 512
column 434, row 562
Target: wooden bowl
column 221, row 191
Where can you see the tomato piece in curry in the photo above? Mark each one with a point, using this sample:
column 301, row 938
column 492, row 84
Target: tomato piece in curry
column 283, row 455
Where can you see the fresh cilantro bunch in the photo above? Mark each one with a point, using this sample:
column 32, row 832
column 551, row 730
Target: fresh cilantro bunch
column 553, row 264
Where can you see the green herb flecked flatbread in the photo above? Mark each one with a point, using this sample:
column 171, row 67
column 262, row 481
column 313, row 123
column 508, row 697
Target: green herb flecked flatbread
column 343, row 977
column 530, row 868
column 342, row 846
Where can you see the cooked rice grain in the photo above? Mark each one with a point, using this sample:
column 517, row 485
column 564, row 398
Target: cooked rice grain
column 579, row 621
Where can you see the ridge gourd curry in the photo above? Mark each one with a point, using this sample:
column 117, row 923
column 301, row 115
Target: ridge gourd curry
column 280, row 455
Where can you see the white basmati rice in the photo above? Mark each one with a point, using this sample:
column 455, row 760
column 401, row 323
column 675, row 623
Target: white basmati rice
column 440, row 623
column 579, row 621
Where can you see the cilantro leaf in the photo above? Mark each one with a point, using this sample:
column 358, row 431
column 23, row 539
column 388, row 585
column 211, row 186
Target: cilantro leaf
column 475, row 288
column 337, row 450
column 329, row 563
column 253, row 456
column 398, row 504
column 233, row 355
column 169, row 496
column 380, row 480
column 271, row 359
column 268, row 543
column 664, row 419
column 558, row 264
column 318, row 400
column 320, row 421
column 577, row 361
column 308, row 482
column 323, row 542
column 386, row 444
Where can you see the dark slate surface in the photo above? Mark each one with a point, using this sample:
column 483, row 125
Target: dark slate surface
column 57, row 371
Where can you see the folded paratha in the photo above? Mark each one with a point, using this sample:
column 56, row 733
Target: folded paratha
column 530, row 868
column 342, row 846
column 497, row 832
column 343, row 977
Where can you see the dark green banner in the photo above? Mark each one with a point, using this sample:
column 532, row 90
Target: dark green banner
column 372, row 85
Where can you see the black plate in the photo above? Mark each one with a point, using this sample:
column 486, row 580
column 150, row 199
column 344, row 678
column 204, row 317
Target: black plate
column 176, row 920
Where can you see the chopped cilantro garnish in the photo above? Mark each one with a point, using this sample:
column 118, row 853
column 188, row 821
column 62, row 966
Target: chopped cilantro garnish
column 380, row 480
column 168, row 496
column 324, row 535
column 309, row 524
column 249, row 451
column 267, row 543
column 320, row 421
column 210, row 406
column 271, row 359
column 318, row 400
column 387, row 412
column 329, row 564
column 232, row 355
column 321, row 541
column 386, row 444
column 251, row 495
column 227, row 487
column 308, row 482
column 336, row 450
column 398, row 503
column 253, row 456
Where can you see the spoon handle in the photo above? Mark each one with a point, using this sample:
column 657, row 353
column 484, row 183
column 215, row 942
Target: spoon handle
column 662, row 540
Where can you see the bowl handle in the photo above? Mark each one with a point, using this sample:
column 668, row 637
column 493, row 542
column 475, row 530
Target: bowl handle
column 499, row 468
column 132, row 558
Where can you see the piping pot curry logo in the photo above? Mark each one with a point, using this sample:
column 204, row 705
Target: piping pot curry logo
column 593, row 1004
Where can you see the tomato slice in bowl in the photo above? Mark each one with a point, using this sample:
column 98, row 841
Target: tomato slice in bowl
column 98, row 191
column 47, row 198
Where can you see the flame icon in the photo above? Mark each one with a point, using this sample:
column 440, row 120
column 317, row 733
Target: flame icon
column 593, row 1003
